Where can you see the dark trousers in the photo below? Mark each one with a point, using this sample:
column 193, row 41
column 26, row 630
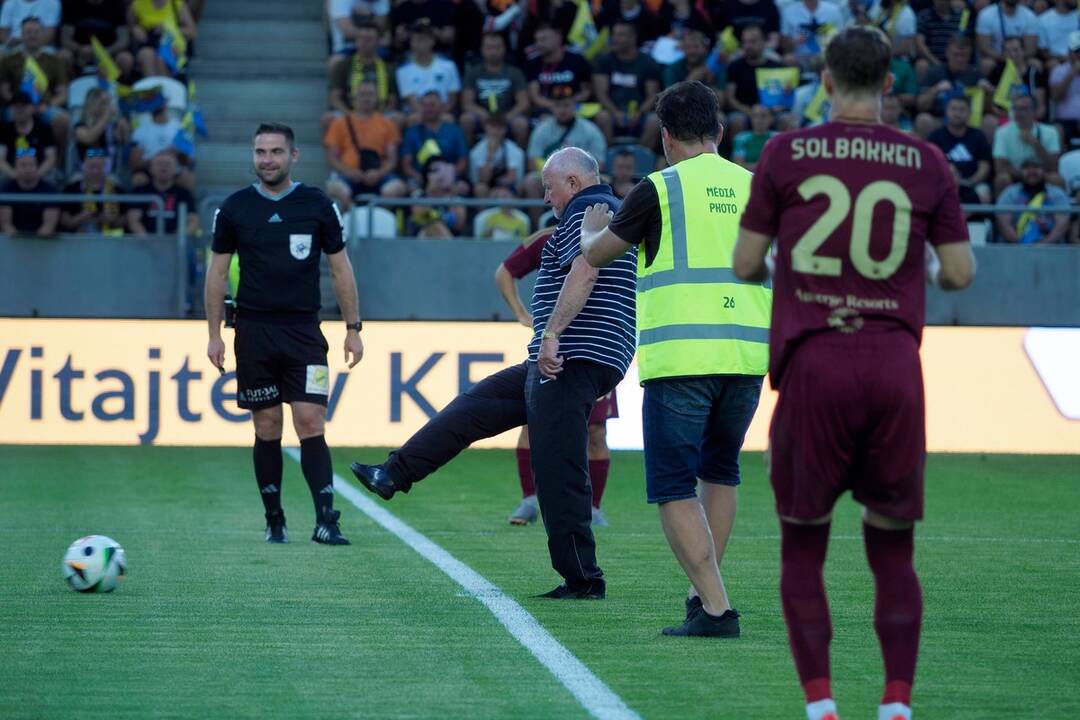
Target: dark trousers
column 557, row 412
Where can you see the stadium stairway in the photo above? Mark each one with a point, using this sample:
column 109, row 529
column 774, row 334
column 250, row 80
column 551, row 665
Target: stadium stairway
column 259, row 60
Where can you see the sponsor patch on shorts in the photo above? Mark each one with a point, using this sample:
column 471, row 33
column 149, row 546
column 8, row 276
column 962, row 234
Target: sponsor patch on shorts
column 318, row 380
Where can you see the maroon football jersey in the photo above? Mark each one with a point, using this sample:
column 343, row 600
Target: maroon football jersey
column 525, row 258
column 851, row 206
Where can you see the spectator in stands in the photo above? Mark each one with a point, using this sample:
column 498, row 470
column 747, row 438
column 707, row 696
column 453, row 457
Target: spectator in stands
column 804, row 27
column 438, row 16
column 556, row 72
column 1056, row 24
column 1034, row 191
column 626, row 84
column 32, row 218
column 562, row 129
column 965, row 147
column 560, row 14
column 49, row 92
column 25, row 132
column 362, row 151
column 942, row 82
column 682, row 16
column 505, row 223
column 430, row 137
column 1004, row 19
column 892, row 113
column 426, row 72
column 103, row 216
column 142, row 220
column 155, row 136
column 897, row 20
column 495, row 161
column 439, row 221
column 693, row 65
column 103, row 19
column 750, row 143
column 648, row 24
column 15, row 12
column 1031, row 80
column 623, row 173
column 936, row 27
column 741, row 14
column 364, row 66
column 494, row 87
column 345, row 18
column 1065, row 89
column 1021, row 140
column 742, row 89
column 146, row 18
column 101, row 126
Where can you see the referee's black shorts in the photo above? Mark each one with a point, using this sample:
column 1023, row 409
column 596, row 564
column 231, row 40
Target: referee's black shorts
column 278, row 363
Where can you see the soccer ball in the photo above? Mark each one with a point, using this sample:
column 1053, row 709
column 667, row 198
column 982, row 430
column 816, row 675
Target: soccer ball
column 94, row 564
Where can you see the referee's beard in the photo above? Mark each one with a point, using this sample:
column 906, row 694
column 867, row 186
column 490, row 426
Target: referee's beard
column 273, row 179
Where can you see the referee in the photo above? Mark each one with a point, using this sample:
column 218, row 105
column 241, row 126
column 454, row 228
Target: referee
column 280, row 229
column 702, row 340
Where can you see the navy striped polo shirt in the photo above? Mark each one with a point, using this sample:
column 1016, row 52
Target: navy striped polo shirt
column 604, row 331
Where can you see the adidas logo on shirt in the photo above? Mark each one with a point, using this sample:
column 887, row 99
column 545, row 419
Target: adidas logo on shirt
column 274, row 218
column 960, row 154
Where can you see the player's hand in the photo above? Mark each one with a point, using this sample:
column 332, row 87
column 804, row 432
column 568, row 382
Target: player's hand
column 596, row 218
column 354, row 345
column 215, row 350
column 547, row 360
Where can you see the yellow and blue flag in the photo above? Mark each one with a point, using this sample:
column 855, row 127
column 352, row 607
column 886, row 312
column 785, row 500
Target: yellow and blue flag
column 1007, row 86
column 776, row 86
column 583, row 33
column 184, row 143
column 172, row 48
column 107, row 67
column 34, row 81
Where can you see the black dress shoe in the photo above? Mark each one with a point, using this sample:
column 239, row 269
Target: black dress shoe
column 378, row 480
column 565, row 592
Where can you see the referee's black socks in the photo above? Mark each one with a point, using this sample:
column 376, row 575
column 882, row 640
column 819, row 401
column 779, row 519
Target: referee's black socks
column 268, row 462
column 319, row 472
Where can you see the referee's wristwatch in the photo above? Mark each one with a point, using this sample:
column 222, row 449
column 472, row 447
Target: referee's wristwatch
column 357, row 326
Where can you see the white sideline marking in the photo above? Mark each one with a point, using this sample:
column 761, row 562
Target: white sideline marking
column 593, row 695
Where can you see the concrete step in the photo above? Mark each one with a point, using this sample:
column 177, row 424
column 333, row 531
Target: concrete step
column 263, row 10
column 281, row 49
column 230, row 164
column 262, row 36
column 308, row 96
column 240, row 131
column 308, row 70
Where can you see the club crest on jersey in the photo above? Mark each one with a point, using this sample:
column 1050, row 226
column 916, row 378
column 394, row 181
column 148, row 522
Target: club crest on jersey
column 300, row 246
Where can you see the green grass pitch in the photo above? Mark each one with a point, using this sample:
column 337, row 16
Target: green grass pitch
column 213, row 623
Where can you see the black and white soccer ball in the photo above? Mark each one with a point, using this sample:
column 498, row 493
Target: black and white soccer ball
column 95, row 564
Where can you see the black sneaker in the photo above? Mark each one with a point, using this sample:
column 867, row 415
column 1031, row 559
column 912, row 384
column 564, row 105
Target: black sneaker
column 276, row 532
column 693, row 606
column 378, row 480
column 327, row 531
column 702, row 624
column 565, row 592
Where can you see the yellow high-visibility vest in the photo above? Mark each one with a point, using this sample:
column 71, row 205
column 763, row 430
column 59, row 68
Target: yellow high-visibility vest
column 694, row 317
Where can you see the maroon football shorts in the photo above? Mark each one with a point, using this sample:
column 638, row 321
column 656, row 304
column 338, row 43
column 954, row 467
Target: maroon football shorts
column 606, row 407
column 850, row 416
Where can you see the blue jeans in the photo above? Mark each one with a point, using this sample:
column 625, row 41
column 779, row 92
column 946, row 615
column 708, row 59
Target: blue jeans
column 694, row 430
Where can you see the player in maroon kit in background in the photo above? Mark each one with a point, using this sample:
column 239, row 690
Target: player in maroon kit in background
column 851, row 204
column 524, row 260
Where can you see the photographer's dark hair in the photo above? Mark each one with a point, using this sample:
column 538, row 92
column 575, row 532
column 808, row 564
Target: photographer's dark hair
column 858, row 60
column 273, row 128
column 690, row 112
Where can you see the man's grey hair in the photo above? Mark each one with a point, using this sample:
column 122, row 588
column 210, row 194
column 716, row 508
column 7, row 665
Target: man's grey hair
column 574, row 161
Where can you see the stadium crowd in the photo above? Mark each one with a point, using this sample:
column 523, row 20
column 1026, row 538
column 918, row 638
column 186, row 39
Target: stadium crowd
column 94, row 99
column 448, row 98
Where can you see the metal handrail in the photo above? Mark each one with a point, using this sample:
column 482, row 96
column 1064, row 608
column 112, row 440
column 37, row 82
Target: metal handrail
column 23, row 198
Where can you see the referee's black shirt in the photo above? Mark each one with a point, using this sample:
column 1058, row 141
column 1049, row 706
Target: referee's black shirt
column 280, row 240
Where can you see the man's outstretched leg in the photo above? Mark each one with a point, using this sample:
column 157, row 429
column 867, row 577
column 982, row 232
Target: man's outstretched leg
column 890, row 549
column 492, row 406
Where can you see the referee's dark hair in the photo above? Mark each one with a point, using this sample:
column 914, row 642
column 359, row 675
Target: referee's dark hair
column 274, row 128
column 858, row 60
column 689, row 111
